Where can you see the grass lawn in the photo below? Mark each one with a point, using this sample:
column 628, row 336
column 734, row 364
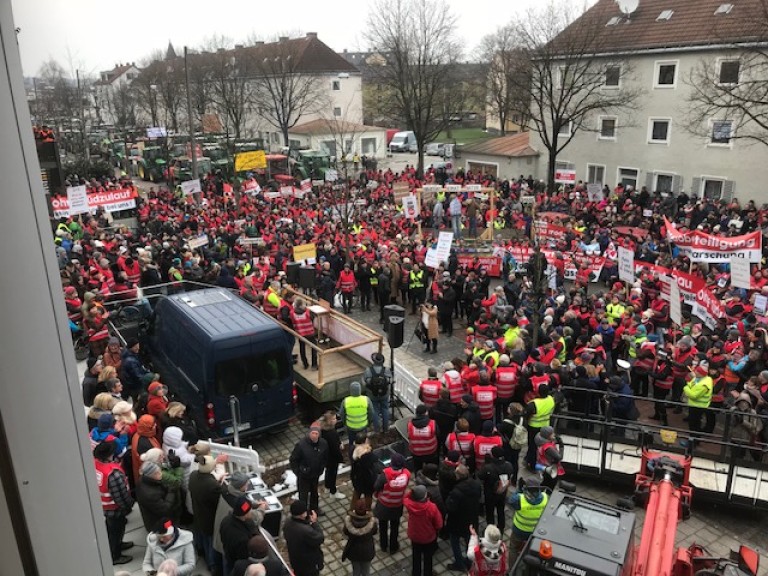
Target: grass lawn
column 463, row 136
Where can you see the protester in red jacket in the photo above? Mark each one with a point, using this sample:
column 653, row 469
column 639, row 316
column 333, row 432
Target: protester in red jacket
column 424, row 523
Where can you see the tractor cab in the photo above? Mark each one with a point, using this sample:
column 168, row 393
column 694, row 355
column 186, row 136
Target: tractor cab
column 580, row 537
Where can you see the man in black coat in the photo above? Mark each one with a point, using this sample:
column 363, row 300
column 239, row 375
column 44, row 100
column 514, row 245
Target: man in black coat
column 384, row 287
column 463, row 506
column 446, row 301
column 155, row 500
column 308, row 461
column 304, row 539
column 205, row 492
column 445, row 414
column 496, row 475
column 259, row 553
column 236, row 530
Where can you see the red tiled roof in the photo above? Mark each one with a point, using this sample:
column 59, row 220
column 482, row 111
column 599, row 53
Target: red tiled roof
column 513, row 146
column 693, row 23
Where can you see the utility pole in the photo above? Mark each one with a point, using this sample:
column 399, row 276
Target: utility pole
column 192, row 141
column 83, row 136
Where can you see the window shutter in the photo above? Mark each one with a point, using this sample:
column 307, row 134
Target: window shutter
column 728, row 188
column 695, row 186
column 649, row 181
column 677, row 184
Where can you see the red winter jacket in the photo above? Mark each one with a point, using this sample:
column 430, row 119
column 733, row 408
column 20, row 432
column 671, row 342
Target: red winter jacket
column 424, row 520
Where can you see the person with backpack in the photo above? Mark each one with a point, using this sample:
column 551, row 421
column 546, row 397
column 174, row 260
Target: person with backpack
column 495, row 475
column 377, row 380
column 515, row 436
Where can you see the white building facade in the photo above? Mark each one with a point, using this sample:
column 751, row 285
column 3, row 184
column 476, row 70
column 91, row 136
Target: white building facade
column 655, row 144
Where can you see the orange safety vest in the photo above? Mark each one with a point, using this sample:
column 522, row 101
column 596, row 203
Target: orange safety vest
column 422, row 441
column 391, row 495
column 483, row 447
column 455, row 388
column 302, row 323
column 506, row 381
column 542, row 459
column 485, row 396
column 430, row 392
column 462, row 442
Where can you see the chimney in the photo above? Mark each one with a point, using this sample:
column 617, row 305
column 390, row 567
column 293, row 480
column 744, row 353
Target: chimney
column 283, row 39
column 345, row 50
column 259, row 43
column 238, row 46
column 312, row 35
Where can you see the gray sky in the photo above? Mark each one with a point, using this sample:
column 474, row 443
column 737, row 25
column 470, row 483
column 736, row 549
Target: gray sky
column 94, row 35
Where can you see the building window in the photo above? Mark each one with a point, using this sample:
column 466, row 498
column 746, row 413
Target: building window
column 666, row 74
column 595, row 174
column 628, row 177
column 607, row 127
column 658, row 131
column 729, row 71
column 612, row 76
column 713, row 189
column 336, row 85
column 565, row 130
column 337, row 111
column 664, row 183
column 722, row 132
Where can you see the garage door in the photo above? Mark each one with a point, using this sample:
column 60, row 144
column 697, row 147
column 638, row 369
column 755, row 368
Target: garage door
column 483, row 168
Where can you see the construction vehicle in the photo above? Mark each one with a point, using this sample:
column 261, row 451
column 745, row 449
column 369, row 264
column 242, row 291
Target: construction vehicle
column 582, row 537
column 151, row 164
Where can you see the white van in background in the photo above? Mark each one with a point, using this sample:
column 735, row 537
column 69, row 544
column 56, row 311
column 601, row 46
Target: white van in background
column 403, row 142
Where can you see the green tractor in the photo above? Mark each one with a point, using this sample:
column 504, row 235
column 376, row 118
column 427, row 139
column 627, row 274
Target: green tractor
column 220, row 159
column 310, row 164
column 181, row 168
column 151, row 164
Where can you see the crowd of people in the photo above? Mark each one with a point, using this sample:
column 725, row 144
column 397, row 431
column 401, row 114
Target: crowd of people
column 535, row 345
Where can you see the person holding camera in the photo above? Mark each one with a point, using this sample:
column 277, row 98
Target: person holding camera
column 304, row 539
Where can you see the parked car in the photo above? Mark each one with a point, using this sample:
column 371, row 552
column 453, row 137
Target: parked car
column 434, row 149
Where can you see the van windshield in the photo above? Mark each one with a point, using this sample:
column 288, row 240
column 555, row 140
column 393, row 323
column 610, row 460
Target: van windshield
column 238, row 376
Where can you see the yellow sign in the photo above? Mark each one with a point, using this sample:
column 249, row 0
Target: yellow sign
column 304, row 252
column 254, row 160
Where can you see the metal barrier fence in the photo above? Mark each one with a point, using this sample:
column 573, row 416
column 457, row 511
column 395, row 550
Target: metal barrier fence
column 727, row 464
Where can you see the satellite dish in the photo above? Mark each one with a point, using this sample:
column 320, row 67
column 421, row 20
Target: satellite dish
column 628, row 6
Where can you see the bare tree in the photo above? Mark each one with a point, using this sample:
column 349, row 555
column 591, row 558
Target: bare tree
column 226, row 73
column 121, row 103
column 283, row 91
column 145, row 88
column 504, row 59
column 730, row 101
column 56, row 100
column 561, row 79
column 161, row 91
column 418, row 39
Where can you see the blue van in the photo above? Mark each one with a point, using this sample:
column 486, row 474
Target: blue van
column 227, row 361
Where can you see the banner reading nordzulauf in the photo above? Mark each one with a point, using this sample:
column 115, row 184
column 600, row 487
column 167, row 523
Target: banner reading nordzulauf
column 702, row 247
column 110, row 201
column 708, row 308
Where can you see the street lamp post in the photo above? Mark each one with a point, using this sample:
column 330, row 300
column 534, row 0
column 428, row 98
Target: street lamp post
column 192, row 141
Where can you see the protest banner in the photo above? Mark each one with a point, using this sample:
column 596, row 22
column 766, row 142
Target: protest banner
column 331, row 175
column 708, row 307
column 595, row 192
column 77, row 198
column 304, row 252
column 253, row 160
column 549, row 232
column 492, row 264
column 410, row 207
column 400, row 190
column 198, row 241
column 286, row 191
column 110, row 201
column 306, row 185
column 702, row 247
column 190, row 187
column 626, row 264
column 740, row 276
column 675, row 304
column 565, row 176
column 631, row 231
column 251, row 187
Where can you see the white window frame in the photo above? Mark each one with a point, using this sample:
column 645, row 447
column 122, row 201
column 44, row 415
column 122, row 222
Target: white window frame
column 567, row 134
column 600, row 128
column 666, row 142
column 711, row 127
column 703, row 185
column 657, row 68
column 335, row 85
column 605, row 75
column 564, row 165
column 663, row 173
column 719, row 65
column 590, row 165
column 618, row 174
